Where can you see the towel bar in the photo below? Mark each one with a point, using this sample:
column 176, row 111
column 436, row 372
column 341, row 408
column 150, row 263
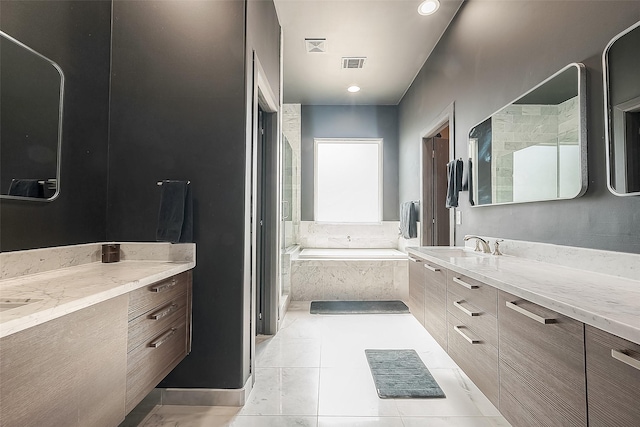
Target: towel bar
column 160, row 182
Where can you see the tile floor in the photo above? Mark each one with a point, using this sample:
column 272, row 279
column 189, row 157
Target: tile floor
column 314, row 373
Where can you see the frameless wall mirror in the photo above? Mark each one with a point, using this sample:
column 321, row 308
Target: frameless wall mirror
column 534, row 148
column 31, row 92
column 621, row 64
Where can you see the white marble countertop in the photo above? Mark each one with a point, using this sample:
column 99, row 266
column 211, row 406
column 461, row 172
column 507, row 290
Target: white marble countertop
column 57, row 292
column 606, row 302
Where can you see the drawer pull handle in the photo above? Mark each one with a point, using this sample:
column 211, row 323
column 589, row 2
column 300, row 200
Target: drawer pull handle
column 164, row 286
column 428, row 267
column 530, row 315
column 163, row 338
column 458, row 329
column 625, row 358
column 164, row 311
column 414, row 259
column 464, row 310
column 465, row 284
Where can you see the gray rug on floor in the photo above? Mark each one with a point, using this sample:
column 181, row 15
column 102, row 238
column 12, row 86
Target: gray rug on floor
column 358, row 307
column 400, row 374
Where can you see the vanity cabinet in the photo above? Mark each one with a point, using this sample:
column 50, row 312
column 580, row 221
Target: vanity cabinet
column 159, row 334
column 473, row 331
column 613, row 380
column 428, row 297
column 541, row 365
column 416, row 288
column 435, row 302
column 69, row 371
column 92, row 366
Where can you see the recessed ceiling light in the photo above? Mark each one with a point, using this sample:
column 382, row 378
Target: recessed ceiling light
column 428, row 7
column 353, row 89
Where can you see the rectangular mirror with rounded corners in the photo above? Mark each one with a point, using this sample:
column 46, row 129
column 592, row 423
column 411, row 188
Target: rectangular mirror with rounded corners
column 535, row 148
column 621, row 65
column 31, row 95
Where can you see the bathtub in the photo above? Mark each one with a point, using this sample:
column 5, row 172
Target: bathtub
column 354, row 254
column 349, row 274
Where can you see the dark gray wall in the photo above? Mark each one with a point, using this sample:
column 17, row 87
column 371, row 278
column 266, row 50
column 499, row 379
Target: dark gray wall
column 492, row 53
column 75, row 35
column 351, row 121
column 178, row 111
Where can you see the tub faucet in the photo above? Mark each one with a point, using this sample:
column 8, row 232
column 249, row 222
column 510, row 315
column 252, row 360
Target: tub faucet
column 479, row 241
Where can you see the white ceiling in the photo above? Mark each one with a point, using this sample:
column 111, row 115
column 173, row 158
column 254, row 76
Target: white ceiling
column 392, row 35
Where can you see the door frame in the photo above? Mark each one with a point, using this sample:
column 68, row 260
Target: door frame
column 263, row 96
column 436, row 125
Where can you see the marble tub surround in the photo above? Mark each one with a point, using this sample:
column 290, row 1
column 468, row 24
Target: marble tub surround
column 33, row 261
column 80, row 279
column 604, row 301
column 620, row 264
column 327, row 235
column 334, row 279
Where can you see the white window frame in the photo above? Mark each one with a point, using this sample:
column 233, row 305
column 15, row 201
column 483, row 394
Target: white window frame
column 379, row 142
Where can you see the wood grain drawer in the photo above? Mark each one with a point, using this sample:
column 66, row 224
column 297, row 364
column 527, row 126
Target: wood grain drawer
column 479, row 360
column 158, row 294
column 476, row 293
column 69, row 371
column 435, row 303
column 148, row 364
column 541, row 365
column 481, row 323
column 613, row 384
column 416, row 288
column 155, row 321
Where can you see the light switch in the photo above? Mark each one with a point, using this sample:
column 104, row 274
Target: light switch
column 458, row 217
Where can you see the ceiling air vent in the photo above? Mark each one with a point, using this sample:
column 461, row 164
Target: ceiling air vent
column 316, row 45
column 353, row 62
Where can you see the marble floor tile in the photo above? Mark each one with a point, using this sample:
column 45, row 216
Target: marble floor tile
column 198, row 416
column 314, row 373
column 462, row 398
column 288, row 353
column 284, row 391
column 454, row 422
column 351, row 392
column 360, row 422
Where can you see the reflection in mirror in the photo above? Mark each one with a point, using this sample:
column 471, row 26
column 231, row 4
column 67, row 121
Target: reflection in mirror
column 31, row 92
column 621, row 62
column 533, row 149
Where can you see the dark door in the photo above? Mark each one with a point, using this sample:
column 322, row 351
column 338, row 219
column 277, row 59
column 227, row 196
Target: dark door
column 436, row 215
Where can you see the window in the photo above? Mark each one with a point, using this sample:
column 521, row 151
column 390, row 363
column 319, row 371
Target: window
column 348, row 180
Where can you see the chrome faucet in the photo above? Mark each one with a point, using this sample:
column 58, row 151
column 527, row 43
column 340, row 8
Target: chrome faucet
column 479, row 242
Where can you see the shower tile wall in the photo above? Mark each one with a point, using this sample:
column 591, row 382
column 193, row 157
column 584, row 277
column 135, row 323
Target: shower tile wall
column 291, row 122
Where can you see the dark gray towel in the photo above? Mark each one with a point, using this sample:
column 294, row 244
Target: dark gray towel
column 455, row 169
column 470, row 182
column 26, row 188
column 408, row 220
column 175, row 217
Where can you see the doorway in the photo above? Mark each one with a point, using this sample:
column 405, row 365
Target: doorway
column 263, row 155
column 437, row 149
column 435, row 156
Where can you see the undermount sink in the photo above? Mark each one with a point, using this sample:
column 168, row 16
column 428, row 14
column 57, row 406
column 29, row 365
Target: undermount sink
column 11, row 303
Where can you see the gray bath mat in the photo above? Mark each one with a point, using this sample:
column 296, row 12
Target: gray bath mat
column 400, row 374
column 358, row 307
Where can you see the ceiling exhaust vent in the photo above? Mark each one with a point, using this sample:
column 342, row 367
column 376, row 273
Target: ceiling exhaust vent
column 316, row 45
column 353, row 62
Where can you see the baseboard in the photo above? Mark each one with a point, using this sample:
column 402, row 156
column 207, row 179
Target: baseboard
column 207, row 396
